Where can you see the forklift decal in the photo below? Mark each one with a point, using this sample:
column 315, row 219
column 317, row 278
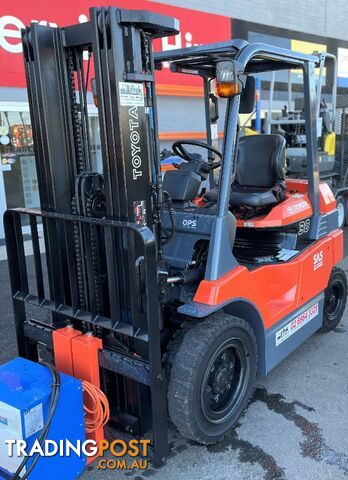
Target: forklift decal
column 131, row 94
column 303, row 226
column 189, row 223
column 318, row 260
column 297, row 207
column 140, row 212
column 134, row 139
column 249, row 224
column 295, row 325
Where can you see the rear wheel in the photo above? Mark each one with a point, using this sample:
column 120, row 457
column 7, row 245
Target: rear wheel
column 211, row 377
column 341, row 209
column 335, row 299
column 345, row 210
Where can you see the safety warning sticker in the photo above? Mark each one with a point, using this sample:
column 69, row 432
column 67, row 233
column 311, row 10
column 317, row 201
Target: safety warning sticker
column 33, row 420
column 295, row 325
column 131, row 94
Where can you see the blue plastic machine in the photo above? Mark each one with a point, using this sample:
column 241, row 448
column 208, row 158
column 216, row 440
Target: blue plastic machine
column 25, row 394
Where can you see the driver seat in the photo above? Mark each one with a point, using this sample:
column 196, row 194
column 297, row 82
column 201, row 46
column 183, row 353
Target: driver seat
column 260, row 171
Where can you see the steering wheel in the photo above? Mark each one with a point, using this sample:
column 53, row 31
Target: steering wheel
column 180, row 151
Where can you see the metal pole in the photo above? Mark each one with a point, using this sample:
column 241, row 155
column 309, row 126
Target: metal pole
column 334, row 86
column 258, row 105
column 320, row 83
column 228, row 162
column 206, row 85
column 270, row 104
column 289, row 91
column 220, row 256
column 3, row 203
column 312, row 144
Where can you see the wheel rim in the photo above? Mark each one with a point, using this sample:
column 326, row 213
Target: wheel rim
column 340, row 210
column 225, row 381
column 334, row 301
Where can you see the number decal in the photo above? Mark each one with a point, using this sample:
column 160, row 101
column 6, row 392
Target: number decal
column 303, row 227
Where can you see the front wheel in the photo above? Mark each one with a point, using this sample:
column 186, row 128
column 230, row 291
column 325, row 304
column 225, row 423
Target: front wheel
column 335, row 299
column 211, row 377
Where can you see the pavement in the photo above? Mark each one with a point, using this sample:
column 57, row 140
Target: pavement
column 295, row 427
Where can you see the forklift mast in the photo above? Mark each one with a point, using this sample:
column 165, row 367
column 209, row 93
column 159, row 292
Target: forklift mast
column 100, row 230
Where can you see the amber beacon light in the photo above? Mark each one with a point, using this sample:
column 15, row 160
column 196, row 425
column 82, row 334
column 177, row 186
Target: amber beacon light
column 227, row 83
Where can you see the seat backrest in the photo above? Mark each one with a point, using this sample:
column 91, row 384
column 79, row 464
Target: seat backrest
column 260, row 161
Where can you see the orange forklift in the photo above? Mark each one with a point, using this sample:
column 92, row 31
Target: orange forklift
column 169, row 293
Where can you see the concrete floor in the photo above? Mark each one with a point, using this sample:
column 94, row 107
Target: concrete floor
column 295, row 428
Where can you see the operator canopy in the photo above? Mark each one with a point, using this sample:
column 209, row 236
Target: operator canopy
column 251, row 57
column 260, row 160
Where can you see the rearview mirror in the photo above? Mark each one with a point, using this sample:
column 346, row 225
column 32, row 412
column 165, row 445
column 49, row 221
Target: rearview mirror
column 247, row 98
column 213, row 108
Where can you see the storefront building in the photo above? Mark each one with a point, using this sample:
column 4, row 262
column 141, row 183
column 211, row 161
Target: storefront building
column 180, row 106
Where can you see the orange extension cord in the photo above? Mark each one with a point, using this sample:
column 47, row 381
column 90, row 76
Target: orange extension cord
column 99, row 414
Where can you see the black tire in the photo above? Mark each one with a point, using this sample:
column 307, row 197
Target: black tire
column 341, row 208
column 335, row 300
column 211, row 379
column 346, row 210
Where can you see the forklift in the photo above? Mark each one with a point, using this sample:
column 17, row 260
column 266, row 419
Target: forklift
column 178, row 294
column 291, row 124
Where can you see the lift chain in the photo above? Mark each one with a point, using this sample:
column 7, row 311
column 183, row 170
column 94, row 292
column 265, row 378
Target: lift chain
column 78, row 256
column 76, row 120
column 146, row 51
column 76, row 126
column 96, row 192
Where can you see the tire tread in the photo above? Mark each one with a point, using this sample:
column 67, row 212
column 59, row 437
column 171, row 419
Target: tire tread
column 327, row 327
column 186, row 352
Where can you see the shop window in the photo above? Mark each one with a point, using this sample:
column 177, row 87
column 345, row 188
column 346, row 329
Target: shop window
column 18, row 160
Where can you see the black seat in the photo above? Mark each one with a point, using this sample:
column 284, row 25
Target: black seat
column 260, row 171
